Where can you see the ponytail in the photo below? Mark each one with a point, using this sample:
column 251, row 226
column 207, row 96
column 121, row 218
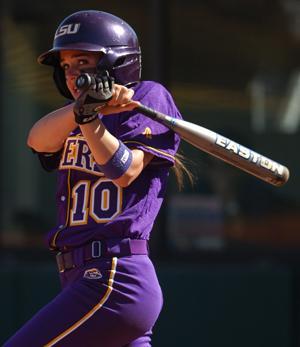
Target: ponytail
column 181, row 170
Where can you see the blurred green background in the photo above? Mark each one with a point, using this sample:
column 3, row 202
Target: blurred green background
column 227, row 249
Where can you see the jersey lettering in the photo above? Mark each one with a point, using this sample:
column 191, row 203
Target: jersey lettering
column 78, row 156
column 79, row 211
column 84, row 157
column 102, row 201
column 108, row 202
column 70, row 153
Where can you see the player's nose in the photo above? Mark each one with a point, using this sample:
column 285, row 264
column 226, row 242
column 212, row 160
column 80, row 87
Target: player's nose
column 72, row 72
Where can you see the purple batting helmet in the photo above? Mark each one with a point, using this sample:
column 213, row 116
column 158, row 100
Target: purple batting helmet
column 96, row 31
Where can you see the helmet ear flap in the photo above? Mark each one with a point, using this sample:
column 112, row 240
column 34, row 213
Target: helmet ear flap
column 60, row 81
column 125, row 68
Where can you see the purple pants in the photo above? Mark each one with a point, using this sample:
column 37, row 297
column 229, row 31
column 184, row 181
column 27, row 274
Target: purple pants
column 108, row 302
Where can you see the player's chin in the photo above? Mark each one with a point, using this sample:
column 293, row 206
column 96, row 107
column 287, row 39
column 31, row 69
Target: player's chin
column 75, row 93
column 73, row 90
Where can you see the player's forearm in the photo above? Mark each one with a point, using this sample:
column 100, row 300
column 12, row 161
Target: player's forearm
column 49, row 133
column 104, row 145
column 101, row 142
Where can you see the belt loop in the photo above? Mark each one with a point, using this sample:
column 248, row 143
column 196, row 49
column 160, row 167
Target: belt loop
column 96, row 249
column 60, row 262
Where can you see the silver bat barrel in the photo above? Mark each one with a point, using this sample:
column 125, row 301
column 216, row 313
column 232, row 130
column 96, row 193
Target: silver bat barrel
column 223, row 148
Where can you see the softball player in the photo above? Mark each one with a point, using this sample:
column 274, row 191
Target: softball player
column 113, row 165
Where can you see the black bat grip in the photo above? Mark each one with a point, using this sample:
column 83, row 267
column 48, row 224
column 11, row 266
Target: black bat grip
column 83, row 81
column 147, row 111
column 157, row 116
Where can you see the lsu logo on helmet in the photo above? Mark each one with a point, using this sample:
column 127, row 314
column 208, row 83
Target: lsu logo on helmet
column 67, row 29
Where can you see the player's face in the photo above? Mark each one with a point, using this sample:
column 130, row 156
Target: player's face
column 74, row 63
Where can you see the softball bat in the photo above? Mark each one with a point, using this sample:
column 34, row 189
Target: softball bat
column 215, row 144
column 223, row 148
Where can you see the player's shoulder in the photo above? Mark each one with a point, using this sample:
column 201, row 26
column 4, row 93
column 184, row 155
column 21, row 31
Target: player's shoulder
column 147, row 88
column 148, row 85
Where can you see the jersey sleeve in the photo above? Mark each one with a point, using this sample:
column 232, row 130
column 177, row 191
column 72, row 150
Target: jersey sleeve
column 49, row 161
column 138, row 131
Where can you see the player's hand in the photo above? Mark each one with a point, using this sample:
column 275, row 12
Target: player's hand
column 121, row 101
column 100, row 94
column 97, row 90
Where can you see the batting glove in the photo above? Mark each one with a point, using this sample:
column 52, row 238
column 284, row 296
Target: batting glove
column 97, row 90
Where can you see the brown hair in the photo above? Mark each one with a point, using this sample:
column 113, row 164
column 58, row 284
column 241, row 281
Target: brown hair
column 180, row 170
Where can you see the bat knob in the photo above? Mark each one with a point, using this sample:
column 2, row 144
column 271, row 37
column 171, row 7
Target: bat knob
column 83, row 81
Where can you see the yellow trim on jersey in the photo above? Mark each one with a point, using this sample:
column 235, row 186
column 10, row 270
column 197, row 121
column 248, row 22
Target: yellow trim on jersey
column 152, row 148
column 69, row 197
column 53, row 242
column 93, row 310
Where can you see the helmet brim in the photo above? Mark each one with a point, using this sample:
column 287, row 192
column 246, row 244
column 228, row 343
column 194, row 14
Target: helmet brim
column 51, row 57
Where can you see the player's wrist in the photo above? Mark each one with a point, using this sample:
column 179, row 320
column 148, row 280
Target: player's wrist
column 82, row 119
column 119, row 163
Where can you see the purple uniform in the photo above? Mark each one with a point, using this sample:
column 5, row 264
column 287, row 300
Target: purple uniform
column 92, row 207
column 110, row 290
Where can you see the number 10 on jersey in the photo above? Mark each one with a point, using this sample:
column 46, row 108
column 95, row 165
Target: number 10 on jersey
column 100, row 200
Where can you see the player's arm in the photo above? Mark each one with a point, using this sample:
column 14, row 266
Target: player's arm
column 119, row 163
column 49, row 133
column 108, row 150
column 116, row 161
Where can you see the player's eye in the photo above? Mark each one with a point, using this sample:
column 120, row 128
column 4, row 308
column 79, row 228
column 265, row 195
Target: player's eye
column 65, row 66
column 83, row 62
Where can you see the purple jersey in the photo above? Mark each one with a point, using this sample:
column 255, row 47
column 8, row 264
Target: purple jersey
column 91, row 206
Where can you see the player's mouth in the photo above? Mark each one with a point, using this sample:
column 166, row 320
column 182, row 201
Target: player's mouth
column 74, row 91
